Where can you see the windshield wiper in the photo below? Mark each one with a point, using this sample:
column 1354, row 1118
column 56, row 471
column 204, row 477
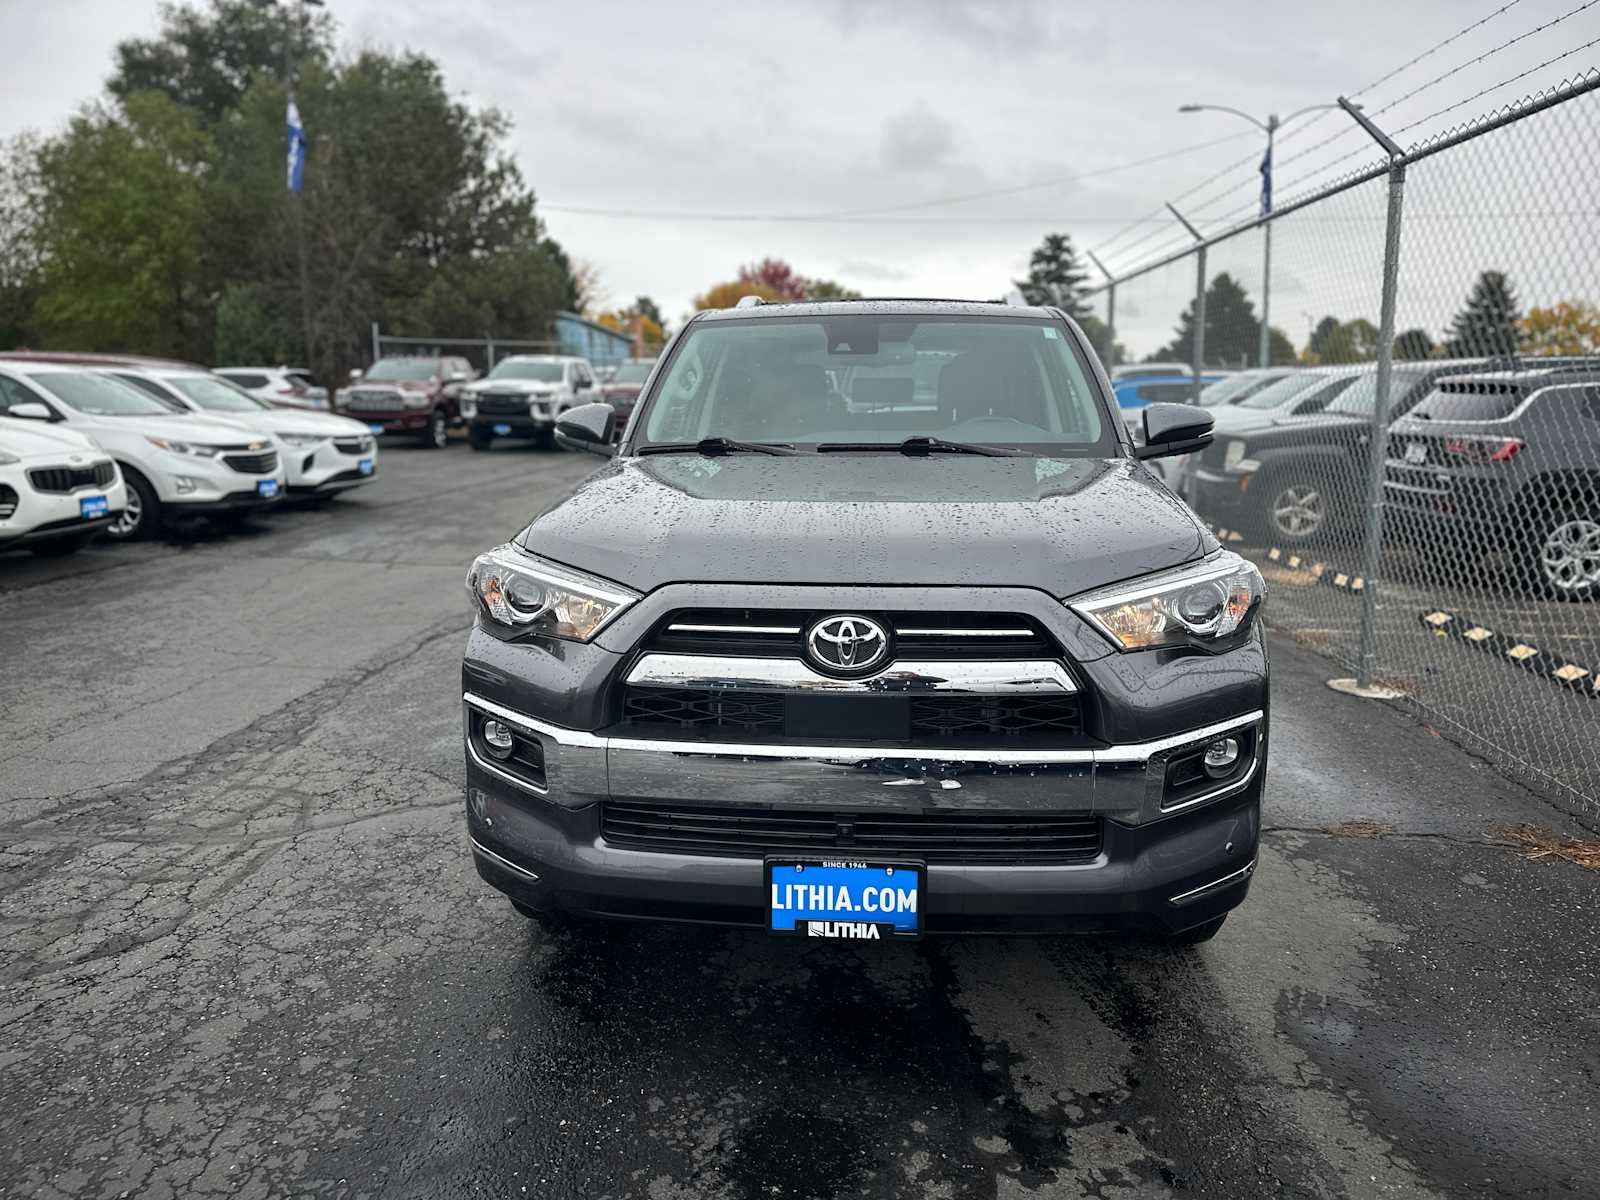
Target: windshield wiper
column 921, row 446
column 713, row 446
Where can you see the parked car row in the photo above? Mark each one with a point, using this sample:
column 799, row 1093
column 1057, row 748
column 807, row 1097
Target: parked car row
column 122, row 446
column 1484, row 456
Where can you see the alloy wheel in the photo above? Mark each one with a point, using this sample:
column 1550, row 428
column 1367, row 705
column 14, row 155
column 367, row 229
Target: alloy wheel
column 441, row 431
column 1570, row 556
column 132, row 515
column 1298, row 511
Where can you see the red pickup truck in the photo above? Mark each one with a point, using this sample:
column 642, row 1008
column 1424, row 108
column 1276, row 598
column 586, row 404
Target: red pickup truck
column 416, row 395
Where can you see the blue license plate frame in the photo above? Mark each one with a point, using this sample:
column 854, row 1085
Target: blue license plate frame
column 267, row 489
column 365, row 466
column 502, row 430
column 375, row 428
column 862, row 918
column 93, row 507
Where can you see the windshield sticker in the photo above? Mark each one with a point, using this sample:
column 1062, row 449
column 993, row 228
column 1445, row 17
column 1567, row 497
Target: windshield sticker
column 1049, row 332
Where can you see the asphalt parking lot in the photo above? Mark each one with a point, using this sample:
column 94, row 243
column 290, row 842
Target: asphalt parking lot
column 245, row 953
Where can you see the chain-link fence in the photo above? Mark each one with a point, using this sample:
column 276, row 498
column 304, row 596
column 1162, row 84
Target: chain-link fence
column 1417, row 469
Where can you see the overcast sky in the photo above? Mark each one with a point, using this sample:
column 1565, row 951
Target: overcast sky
column 766, row 110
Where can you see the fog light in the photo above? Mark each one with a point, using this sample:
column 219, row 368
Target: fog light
column 184, row 484
column 1222, row 756
column 499, row 738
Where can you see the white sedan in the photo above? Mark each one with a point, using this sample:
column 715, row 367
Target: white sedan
column 57, row 488
column 322, row 453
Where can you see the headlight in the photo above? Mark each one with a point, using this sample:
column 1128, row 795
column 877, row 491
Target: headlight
column 7, row 460
column 192, row 449
column 1233, row 455
column 521, row 593
column 301, row 439
column 1198, row 604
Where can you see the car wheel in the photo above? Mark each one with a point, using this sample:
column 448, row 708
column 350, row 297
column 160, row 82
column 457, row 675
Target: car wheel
column 1294, row 510
column 60, row 547
column 1567, row 555
column 141, row 515
column 479, row 441
column 437, row 435
column 1198, row 933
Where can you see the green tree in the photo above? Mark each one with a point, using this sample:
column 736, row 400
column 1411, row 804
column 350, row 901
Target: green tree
column 1233, row 331
column 1488, row 325
column 1056, row 276
column 19, row 243
column 1095, row 330
column 1414, row 345
column 647, row 307
column 122, row 231
column 206, row 61
column 828, row 289
column 1334, row 341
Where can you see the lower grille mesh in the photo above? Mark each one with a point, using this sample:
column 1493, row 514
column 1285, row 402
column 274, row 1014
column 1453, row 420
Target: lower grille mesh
column 951, row 837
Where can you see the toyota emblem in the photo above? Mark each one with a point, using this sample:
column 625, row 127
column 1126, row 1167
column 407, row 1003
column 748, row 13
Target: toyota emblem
column 847, row 643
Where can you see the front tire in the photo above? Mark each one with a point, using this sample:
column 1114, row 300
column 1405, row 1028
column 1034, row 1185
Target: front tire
column 141, row 515
column 436, row 436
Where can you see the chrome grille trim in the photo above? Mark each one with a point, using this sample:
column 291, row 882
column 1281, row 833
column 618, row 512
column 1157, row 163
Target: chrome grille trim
column 906, row 675
column 962, row 633
column 678, row 627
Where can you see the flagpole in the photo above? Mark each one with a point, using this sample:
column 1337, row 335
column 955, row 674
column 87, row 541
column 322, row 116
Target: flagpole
column 296, row 205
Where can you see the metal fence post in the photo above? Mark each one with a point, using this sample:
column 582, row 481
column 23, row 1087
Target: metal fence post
column 1377, row 440
column 1109, row 354
column 375, row 339
column 1198, row 347
column 488, row 344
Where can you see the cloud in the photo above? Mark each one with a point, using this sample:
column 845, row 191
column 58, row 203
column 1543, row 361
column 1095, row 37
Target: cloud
column 1015, row 29
column 917, row 139
column 862, row 269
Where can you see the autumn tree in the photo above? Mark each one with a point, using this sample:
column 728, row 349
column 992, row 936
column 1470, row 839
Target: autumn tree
column 776, row 276
column 1568, row 327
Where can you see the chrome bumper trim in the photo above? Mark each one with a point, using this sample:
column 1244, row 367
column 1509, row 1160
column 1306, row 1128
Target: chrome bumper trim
column 716, row 672
column 1132, row 752
column 1216, row 885
column 479, row 848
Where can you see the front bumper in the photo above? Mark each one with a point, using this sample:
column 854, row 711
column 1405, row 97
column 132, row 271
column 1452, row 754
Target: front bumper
column 1157, row 868
column 230, row 502
column 326, row 468
column 412, row 420
column 524, row 426
column 43, row 516
column 1220, row 496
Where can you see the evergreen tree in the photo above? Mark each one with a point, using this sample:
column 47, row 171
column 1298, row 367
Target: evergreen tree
column 1233, row 331
column 1413, row 345
column 1056, row 277
column 1488, row 324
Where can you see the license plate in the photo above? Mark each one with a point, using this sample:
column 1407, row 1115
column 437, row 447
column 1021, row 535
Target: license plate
column 365, row 466
column 268, row 488
column 375, row 428
column 502, row 430
column 844, row 898
column 90, row 507
column 1416, row 453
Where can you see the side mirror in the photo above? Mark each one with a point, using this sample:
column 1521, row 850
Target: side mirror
column 587, row 427
column 31, row 410
column 1174, row 429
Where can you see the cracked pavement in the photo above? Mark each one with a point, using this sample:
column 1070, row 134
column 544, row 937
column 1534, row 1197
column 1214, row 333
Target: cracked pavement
column 245, row 953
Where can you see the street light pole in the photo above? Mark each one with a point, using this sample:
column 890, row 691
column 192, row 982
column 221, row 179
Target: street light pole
column 1269, row 127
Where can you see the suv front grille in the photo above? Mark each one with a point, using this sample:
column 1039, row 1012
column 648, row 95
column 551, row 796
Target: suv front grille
column 353, row 445
column 947, row 837
column 68, row 479
column 253, row 464
column 373, row 399
column 916, row 720
column 779, row 633
column 503, row 405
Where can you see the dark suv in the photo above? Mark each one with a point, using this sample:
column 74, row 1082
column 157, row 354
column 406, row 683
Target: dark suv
column 1507, row 462
column 417, row 395
column 823, row 653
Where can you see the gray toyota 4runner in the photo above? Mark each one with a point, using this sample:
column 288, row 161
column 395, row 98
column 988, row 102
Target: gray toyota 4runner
column 873, row 625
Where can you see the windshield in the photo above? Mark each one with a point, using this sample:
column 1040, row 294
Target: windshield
column 877, row 380
column 1236, row 387
column 403, row 368
column 1359, row 399
column 1290, row 388
column 631, row 372
column 100, row 395
column 539, row 372
column 214, row 395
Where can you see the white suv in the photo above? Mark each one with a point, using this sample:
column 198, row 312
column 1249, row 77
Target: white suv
column 523, row 396
column 282, row 387
column 323, row 454
column 172, row 464
column 56, row 487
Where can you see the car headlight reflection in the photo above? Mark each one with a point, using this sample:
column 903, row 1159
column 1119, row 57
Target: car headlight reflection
column 522, row 593
column 1203, row 603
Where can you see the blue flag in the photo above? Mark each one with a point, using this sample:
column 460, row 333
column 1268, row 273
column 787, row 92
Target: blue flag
column 297, row 148
column 1266, row 182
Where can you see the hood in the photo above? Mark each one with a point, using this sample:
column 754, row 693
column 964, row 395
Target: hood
column 1060, row 525
column 302, row 421
column 26, row 438
column 190, row 427
column 399, row 385
column 620, row 389
column 1233, row 421
column 513, row 387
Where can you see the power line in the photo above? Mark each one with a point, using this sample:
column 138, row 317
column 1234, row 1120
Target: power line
column 854, row 214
